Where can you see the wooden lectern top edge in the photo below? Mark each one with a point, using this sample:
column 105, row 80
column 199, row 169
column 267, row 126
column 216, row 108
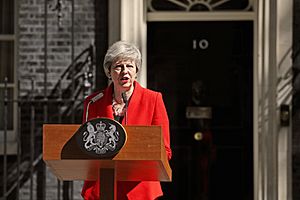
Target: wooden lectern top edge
column 78, row 125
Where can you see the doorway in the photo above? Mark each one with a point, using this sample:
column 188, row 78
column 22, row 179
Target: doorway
column 206, row 66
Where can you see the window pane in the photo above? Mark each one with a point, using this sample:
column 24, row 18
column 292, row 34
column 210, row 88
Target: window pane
column 9, row 114
column 7, row 61
column 6, row 17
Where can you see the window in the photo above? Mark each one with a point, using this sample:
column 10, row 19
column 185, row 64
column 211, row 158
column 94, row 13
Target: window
column 8, row 70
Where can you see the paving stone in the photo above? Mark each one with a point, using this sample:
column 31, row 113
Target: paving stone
column 51, row 188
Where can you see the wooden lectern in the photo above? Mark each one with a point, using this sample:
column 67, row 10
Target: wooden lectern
column 142, row 158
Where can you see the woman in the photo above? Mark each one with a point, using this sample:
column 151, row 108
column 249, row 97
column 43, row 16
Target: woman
column 127, row 102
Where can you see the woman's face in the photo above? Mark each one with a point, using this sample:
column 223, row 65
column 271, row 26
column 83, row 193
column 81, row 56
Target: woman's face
column 123, row 73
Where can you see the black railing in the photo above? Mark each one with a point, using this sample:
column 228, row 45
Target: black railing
column 64, row 100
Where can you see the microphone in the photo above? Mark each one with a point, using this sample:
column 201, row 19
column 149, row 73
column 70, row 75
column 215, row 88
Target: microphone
column 93, row 100
column 125, row 100
column 97, row 97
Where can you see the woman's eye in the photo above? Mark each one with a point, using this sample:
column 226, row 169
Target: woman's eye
column 118, row 67
column 122, row 67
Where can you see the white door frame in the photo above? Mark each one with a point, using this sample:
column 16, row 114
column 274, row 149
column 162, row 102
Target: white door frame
column 271, row 65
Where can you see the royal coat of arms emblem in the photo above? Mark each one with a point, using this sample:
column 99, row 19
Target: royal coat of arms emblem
column 101, row 137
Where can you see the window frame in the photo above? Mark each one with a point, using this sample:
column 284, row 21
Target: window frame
column 12, row 133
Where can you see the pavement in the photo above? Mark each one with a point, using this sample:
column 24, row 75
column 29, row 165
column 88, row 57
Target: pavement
column 51, row 188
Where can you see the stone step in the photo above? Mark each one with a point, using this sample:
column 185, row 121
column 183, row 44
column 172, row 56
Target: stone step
column 51, row 188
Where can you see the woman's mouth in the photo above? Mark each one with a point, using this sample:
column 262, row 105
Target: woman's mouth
column 124, row 79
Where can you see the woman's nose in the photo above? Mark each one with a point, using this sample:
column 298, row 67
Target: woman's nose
column 125, row 68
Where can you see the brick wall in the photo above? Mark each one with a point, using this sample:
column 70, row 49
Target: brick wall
column 59, row 51
column 296, row 102
column 31, row 64
column 59, row 55
column 59, row 40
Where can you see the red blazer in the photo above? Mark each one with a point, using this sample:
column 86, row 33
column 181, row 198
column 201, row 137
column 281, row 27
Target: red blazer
column 146, row 107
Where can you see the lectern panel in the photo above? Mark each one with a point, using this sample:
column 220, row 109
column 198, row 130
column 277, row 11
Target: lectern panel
column 143, row 157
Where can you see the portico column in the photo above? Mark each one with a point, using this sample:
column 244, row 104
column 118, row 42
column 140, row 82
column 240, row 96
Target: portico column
column 134, row 29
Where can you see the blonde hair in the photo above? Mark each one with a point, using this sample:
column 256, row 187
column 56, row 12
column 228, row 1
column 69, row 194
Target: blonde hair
column 121, row 50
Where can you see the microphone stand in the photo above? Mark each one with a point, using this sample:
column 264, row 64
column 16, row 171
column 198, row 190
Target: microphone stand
column 126, row 106
column 93, row 100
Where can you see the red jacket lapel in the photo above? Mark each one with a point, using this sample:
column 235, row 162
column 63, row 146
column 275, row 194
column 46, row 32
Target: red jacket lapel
column 134, row 103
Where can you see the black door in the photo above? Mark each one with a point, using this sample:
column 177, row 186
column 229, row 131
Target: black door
column 206, row 66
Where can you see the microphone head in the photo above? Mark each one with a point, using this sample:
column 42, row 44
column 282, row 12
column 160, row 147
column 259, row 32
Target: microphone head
column 97, row 97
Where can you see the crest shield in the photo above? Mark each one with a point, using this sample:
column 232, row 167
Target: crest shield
column 101, row 137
